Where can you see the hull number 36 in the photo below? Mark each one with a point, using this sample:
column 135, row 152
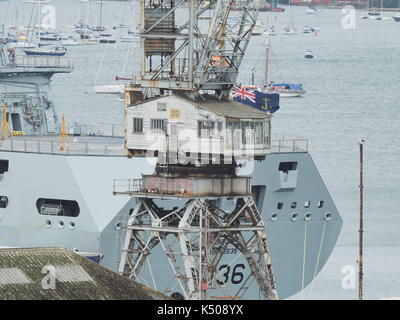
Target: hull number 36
column 225, row 274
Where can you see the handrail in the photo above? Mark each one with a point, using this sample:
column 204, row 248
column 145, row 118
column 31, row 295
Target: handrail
column 32, row 145
column 285, row 144
column 39, row 62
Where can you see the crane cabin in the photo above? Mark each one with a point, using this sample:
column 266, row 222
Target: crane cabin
column 189, row 131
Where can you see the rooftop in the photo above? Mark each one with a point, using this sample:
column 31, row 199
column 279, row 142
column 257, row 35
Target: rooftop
column 24, row 275
column 226, row 108
column 231, row 109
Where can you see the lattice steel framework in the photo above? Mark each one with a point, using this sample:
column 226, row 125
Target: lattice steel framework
column 186, row 54
column 202, row 232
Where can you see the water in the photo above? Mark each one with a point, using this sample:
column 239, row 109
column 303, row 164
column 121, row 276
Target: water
column 352, row 92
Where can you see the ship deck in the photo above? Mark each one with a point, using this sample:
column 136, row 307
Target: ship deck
column 113, row 146
column 73, row 145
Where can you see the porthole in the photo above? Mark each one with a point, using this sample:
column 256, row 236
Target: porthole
column 307, row 217
column 47, row 223
column 295, row 216
column 61, row 224
column 72, row 225
column 274, row 216
column 118, row 226
column 328, row 216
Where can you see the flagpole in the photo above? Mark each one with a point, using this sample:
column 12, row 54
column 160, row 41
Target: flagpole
column 361, row 231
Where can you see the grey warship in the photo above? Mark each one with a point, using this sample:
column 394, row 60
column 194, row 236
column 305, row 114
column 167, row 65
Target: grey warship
column 57, row 190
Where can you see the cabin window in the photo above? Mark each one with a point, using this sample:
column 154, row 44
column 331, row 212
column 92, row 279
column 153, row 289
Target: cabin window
column 157, row 124
column 293, row 205
column 57, row 207
column 137, row 125
column 285, row 167
column 3, row 166
column 267, row 132
column 320, row 204
column 3, row 202
column 207, row 129
column 249, row 132
column 259, row 133
column 307, row 204
column 279, row 205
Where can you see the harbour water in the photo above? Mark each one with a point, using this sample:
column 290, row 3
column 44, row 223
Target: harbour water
column 352, row 92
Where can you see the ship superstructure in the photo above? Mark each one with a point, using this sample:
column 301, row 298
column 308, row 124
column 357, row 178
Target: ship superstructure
column 60, row 193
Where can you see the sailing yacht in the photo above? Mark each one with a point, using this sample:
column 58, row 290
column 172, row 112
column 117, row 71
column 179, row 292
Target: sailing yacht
column 311, row 10
column 285, row 90
column 290, row 30
column 380, row 15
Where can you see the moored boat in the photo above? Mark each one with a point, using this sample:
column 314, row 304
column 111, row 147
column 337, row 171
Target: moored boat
column 308, row 54
column 57, row 51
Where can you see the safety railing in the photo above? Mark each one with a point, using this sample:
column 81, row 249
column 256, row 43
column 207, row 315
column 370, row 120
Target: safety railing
column 101, row 130
column 42, row 62
column 114, row 147
column 128, row 186
column 70, row 147
column 288, row 143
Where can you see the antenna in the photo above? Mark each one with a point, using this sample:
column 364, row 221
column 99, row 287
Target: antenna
column 266, row 65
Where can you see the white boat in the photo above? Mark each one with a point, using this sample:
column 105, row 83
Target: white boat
column 127, row 39
column 91, row 41
column 21, row 44
column 311, row 10
column 271, row 31
column 308, row 54
column 70, row 43
column 290, row 31
column 109, row 89
column 37, row 1
column 258, row 29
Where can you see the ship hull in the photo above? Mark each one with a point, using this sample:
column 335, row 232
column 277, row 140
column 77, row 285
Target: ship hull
column 98, row 228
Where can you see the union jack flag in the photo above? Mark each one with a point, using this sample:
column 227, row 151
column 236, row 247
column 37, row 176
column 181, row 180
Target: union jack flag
column 244, row 93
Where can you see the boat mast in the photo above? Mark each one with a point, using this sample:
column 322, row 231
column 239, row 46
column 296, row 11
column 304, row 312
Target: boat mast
column 39, row 22
column 101, row 13
column 266, row 65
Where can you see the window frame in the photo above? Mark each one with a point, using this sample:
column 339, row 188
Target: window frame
column 134, row 125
